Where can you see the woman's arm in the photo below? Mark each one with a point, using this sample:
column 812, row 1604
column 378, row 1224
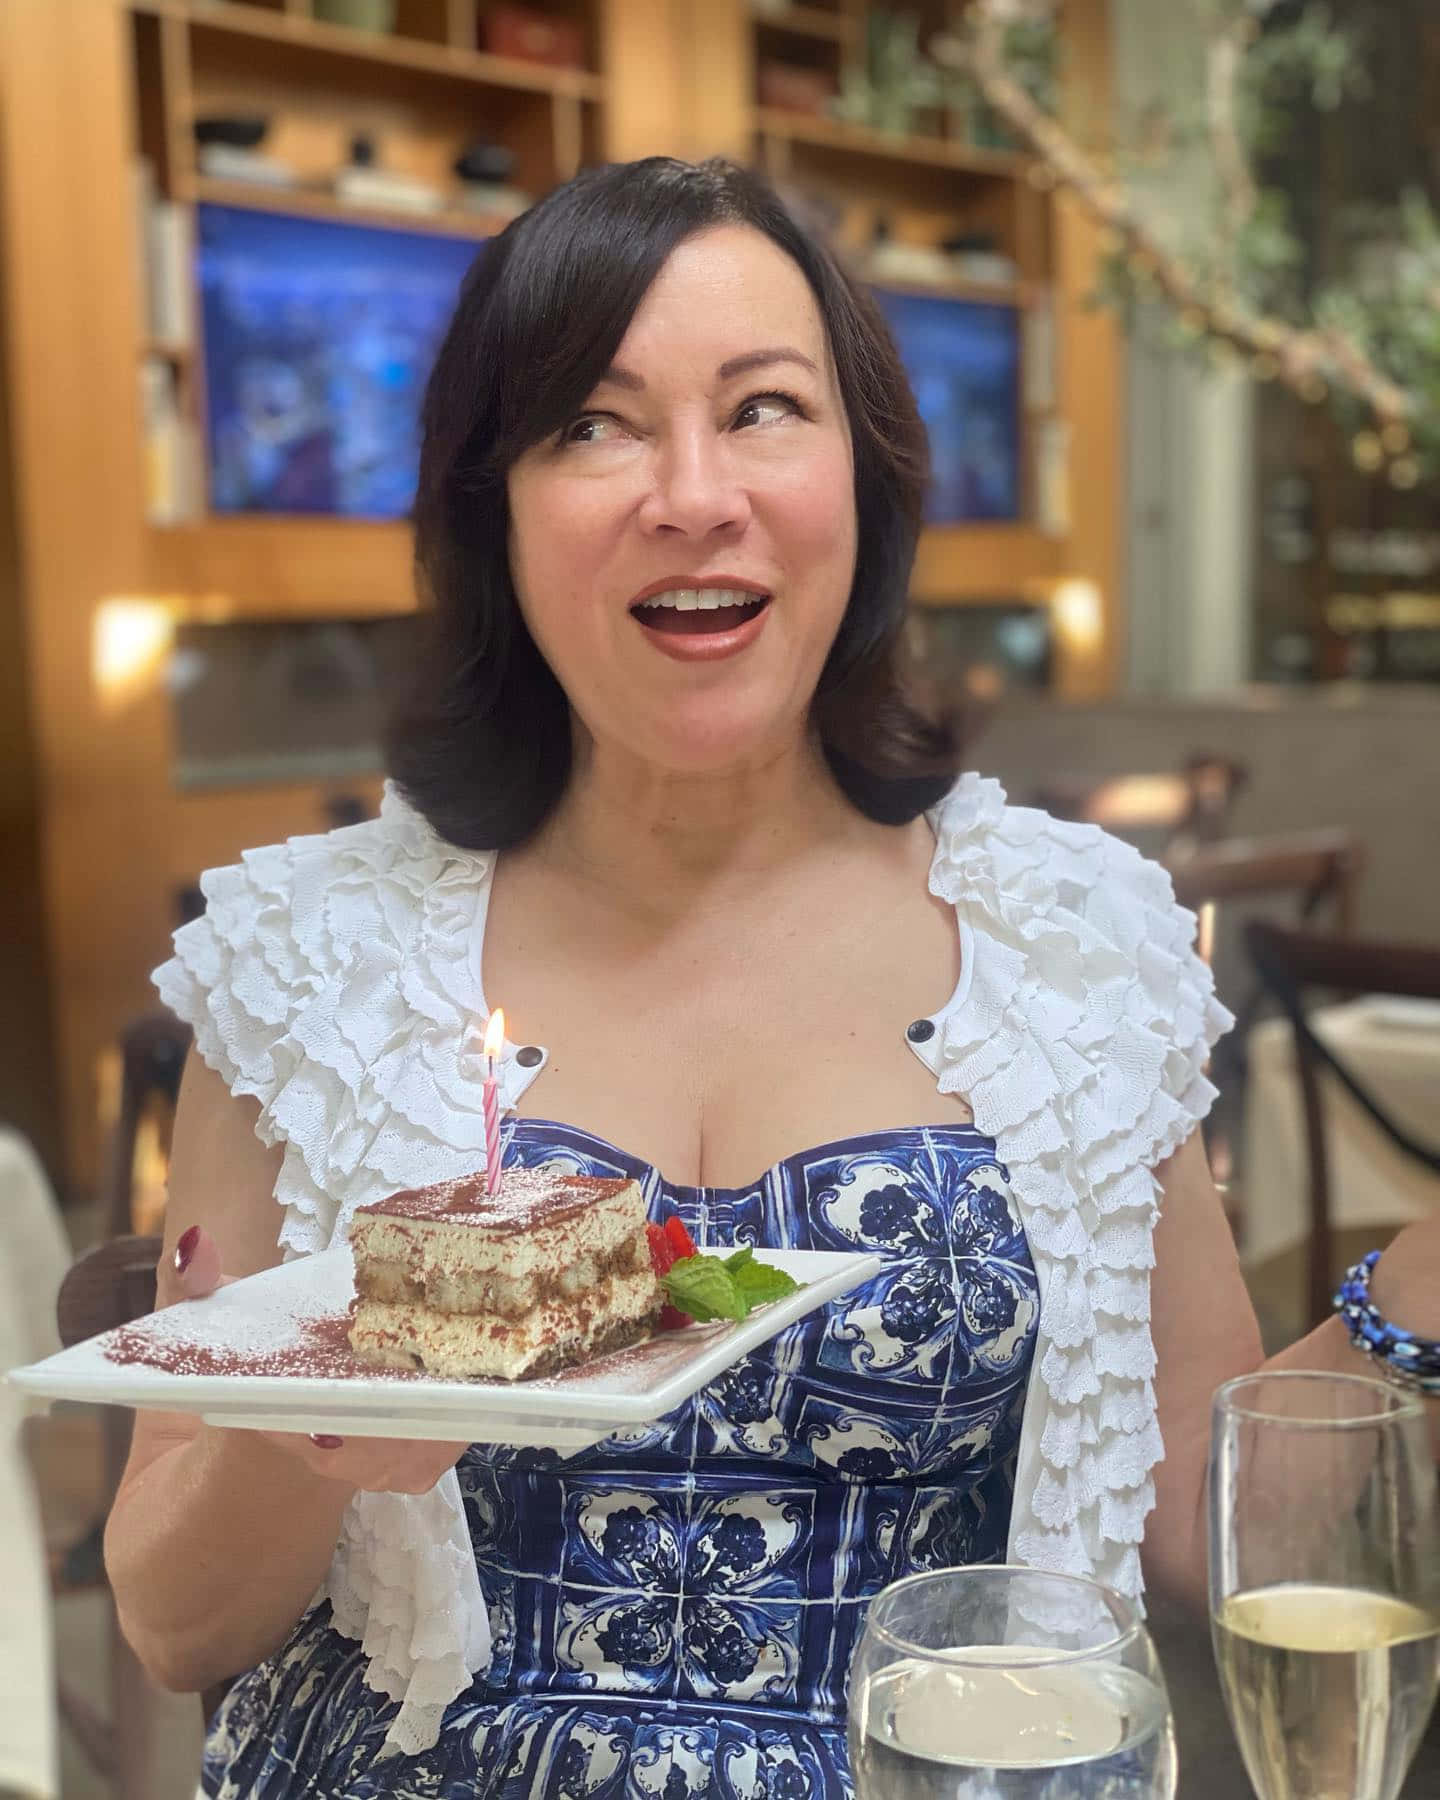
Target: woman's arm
column 218, row 1539
column 1205, row 1333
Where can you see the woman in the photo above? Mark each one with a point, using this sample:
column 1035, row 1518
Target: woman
column 670, row 487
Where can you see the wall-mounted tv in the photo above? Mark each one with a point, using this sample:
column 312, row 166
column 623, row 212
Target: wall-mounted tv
column 963, row 360
column 319, row 337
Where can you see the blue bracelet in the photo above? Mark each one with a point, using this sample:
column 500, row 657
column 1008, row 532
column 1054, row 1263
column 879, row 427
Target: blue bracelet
column 1412, row 1360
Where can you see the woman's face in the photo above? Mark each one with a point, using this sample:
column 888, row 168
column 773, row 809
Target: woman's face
column 683, row 550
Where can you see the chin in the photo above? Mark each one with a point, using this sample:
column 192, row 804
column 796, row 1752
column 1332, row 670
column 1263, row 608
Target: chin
column 714, row 741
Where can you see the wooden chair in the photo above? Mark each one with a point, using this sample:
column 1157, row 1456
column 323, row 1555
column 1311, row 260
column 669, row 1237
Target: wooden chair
column 153, row 1049
column 1289, row 963
column 1315, row 873
column 1316, row 869
column 1170, row 812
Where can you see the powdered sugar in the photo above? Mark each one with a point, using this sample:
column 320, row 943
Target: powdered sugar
column 320, row 1349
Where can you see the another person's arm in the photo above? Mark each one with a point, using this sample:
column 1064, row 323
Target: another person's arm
column 1205, row 1333
column 219, row 1539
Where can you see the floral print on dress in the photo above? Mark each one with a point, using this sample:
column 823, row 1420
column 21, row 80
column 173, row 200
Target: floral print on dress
column 674, row 1609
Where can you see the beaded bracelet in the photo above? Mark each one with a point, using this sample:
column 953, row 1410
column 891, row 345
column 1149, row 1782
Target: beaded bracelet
column 1413, row 1361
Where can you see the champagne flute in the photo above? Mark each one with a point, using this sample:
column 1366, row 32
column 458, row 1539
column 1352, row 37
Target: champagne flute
column 1004, row 1683
column 1324, row 1581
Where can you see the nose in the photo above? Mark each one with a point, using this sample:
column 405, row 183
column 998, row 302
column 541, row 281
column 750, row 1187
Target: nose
column 695, row 489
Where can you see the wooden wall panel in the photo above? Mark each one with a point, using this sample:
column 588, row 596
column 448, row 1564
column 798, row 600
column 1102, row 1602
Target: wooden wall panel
column 69, row 255
column 1092, row 366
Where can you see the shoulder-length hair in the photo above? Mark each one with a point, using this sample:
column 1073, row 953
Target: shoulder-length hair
column 482, row 748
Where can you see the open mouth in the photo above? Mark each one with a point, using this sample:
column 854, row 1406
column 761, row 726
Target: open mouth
column 699, row 612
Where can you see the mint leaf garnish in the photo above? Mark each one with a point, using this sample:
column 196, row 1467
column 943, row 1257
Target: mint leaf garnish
column 760, row 1283
column 711, row 1287
column 703, row 1287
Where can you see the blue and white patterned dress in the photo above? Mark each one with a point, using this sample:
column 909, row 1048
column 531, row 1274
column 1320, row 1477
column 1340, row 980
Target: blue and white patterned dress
column 674, row 1610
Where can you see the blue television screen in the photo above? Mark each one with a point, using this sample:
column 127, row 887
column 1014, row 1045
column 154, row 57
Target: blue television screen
column 318, row 341
column 963, row 360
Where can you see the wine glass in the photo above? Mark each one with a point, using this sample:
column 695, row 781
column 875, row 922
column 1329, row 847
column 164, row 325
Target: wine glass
column 1004, row 1683
column 1324, row 1581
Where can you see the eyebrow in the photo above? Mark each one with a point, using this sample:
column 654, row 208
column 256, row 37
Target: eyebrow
column 737, row 365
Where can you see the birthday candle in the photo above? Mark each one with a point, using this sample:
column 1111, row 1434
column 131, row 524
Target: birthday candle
column 490, row 1097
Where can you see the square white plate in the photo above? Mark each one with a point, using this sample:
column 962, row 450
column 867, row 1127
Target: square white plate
column 270, row 1312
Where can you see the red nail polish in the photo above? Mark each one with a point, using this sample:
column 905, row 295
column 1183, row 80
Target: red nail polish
column 185, row 1249
column 323, row 1441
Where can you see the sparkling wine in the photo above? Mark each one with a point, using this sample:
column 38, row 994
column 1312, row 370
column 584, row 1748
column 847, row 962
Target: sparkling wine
column 1328, row 1688
column 1087, row 1731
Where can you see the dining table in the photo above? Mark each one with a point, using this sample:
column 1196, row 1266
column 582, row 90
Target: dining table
column 1210, row 1764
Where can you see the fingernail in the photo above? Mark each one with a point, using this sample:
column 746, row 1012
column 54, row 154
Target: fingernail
column 323, row 1441
column 185, row 1249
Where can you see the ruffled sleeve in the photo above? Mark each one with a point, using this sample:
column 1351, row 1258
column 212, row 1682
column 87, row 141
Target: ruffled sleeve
column 1080, row 1042
column 332, row 979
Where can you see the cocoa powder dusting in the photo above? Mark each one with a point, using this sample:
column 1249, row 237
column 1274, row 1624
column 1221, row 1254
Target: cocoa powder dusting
column 321, row 1351
column 529, row 1200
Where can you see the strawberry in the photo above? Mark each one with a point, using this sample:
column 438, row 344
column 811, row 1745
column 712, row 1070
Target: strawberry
column 670, row 1243
column 663, row 1256
column 679, row 1237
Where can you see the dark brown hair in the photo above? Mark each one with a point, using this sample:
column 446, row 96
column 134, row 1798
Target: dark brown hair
column 483, row 747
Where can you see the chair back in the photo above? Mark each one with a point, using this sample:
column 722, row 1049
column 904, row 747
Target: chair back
column 1173, row 810
column 1289, row 964
column 107, row 1286
column 153, row 1049
column 1316, row 868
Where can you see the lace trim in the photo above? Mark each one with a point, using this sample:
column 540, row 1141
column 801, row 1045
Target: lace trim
column 1081, row 1048
column 332, row 979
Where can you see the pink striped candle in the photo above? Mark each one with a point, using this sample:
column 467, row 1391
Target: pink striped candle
column 490, row 1098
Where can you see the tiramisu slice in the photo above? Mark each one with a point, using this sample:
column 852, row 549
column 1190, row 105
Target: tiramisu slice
column 554, row 1268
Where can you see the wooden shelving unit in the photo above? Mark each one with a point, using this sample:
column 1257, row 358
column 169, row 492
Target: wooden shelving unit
column 308, row 204
column 924, row 186
column 452, row 55
column 862, row 140
column 809, row 23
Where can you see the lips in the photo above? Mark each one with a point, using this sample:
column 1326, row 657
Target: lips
column 701, row 620
column 703, row 634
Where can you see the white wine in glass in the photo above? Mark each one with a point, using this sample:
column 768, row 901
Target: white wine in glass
column 1324, row 1581
column 1002, row 1683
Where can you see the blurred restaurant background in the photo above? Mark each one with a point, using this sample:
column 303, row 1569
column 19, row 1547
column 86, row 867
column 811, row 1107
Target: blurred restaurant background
column 1166, row 276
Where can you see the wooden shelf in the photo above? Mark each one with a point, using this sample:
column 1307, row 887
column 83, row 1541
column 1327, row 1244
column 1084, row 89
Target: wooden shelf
column 861, row 140
column 808, row 22
column 1018, row 294
column 476, row 66
column 310, row 203
column 264, row 566
column 956, row 564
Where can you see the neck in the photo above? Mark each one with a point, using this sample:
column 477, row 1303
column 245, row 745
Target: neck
column 657, row 839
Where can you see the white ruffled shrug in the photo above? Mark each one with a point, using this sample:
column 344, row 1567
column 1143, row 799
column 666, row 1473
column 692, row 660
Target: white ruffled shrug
column 335, row 978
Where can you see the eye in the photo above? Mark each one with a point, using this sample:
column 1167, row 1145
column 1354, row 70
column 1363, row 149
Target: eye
column 590, row 428
column 787, row 405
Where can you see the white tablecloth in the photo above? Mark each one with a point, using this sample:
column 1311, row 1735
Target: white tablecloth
column 34, row 1255
column 1392, row 1047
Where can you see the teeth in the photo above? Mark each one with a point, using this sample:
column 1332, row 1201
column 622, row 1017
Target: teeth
column 700, row 599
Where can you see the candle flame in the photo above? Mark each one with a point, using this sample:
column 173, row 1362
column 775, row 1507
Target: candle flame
column 495, row 1034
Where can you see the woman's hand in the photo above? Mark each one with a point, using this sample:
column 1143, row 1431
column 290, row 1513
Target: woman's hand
column 370, row 1465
